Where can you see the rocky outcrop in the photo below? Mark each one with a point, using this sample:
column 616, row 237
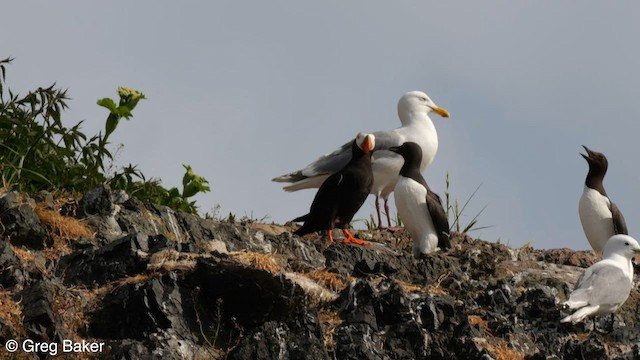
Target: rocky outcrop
column 150, row 282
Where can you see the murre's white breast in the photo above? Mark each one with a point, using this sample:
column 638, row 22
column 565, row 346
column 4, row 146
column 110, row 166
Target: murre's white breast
column 411, row 201
column 596, row 218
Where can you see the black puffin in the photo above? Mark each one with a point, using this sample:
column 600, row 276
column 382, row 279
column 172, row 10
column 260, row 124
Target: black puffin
column 600, row 217
column 419, row 208
column 342, row 194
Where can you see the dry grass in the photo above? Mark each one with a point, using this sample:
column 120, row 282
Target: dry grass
column 328, row 279
column 64, row 227
column 409, row 288
column 436, row 289
column 29, row 260
column 171, row 260
column 11, row 313
column 25, row 255
column 480, row 322
column 63, row 230
column 266, row 262
column 330, row 322
column 582, row 336
column 135, row 279
column 497, row 346
column 70, row 307
column 502, row 351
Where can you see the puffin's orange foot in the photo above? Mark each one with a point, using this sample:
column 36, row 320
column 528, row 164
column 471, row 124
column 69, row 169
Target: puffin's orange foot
column 352, row 240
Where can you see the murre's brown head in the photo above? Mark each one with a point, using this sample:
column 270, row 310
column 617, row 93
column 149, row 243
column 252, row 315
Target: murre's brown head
column 598, row 165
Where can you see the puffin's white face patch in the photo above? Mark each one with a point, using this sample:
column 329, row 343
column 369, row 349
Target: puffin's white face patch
column 366, row 142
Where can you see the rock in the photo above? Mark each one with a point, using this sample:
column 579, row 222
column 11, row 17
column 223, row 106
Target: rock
column 102, row 201
column 119, row 259
column 156, row 283
column 144, row 309
column 10, row 268
column 20, row 223
column 300, row 338
column 39, row 319
column 361, row 261
column 249, row 295
column 358, row 341
column 45, row 198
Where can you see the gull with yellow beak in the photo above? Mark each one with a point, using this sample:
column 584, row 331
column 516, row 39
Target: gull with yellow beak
column 413, row 110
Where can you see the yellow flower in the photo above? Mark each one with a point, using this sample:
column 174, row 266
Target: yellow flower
column 130, row 93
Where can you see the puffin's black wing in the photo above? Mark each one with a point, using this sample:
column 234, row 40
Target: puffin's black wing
column 439, row 218
column 323, row 208
column 354, row 190
column 619, row 225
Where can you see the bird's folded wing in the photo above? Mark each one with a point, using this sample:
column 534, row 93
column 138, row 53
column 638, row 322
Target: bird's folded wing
column 598, row 285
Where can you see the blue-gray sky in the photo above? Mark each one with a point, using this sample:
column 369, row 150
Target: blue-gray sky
column 245, row 91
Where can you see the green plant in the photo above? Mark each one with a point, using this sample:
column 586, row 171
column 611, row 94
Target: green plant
column 456, row 212
column 38, row 152
column 369, row 224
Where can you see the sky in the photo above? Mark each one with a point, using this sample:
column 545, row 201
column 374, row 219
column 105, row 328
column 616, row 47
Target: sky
column 245, row 91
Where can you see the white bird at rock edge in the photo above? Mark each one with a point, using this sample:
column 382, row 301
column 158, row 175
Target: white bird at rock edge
column 605, row 285
column 419, row 208
column 413, row 110
column 600, row 217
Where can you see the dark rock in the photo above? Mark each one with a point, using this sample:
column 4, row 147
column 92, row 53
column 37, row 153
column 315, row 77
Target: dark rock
column 407, row 340
column 538, row 304
column 356, row 341
column 156, row 283
column 569, row 257
column 119, row 259
column 591, row 348
column 305, row 254
column 297, row 340
column 20, row 224
column 250, row 296
column 438, row 269
column 10, row 268
column 97, row 202
column 198, row 228
column 143, row 309
column 161, row 345
column 39, row 319
column 127, row 349
column 45, row 198
column 361, row 261
column 358, row 304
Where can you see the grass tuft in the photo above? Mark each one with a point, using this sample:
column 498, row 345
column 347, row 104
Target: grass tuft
column 11, row 313
column 266, row 262
column 328, row 279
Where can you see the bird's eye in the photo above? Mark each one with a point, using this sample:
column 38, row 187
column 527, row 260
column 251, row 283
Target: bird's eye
column 626, row 243
column 423, row 99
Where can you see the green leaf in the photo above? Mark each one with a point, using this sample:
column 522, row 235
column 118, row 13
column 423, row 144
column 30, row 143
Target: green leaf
column 107, row 103
column 110, row 126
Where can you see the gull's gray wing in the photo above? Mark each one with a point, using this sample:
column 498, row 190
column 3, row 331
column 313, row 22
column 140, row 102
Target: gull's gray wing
column 325, row 165
column 598, row 285
column 330, row 163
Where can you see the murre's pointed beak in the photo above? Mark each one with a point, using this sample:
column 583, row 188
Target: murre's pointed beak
column 395, row 149
column 441, row 111
column 589, row 155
